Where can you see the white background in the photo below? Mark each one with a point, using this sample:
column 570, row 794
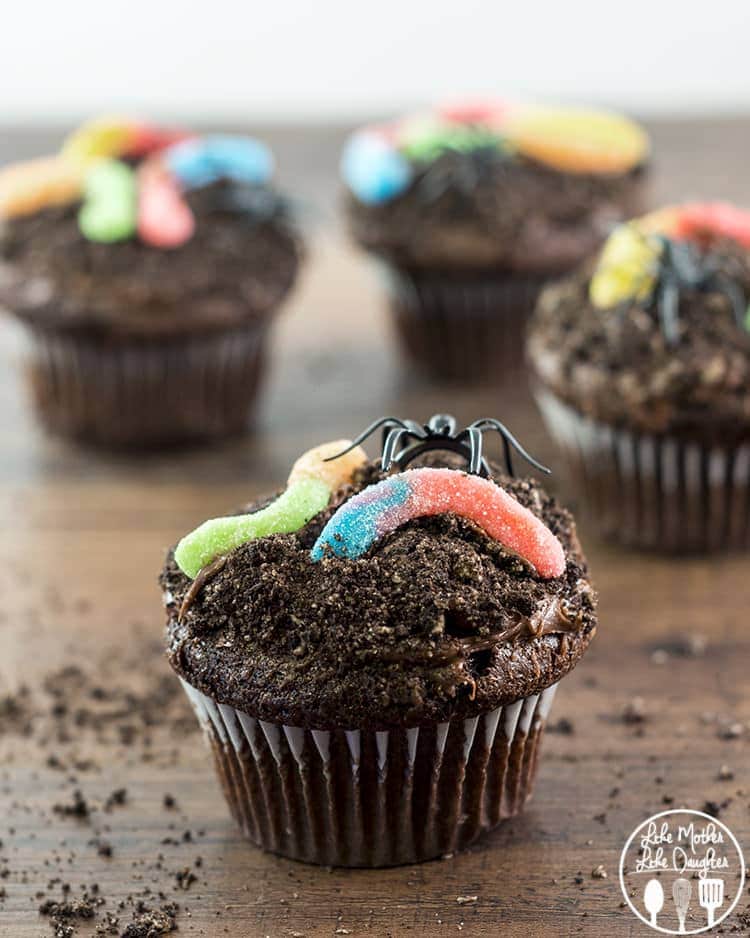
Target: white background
column 338, row 59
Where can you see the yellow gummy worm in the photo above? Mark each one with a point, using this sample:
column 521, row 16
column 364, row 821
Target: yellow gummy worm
column 103, row 137
column 308, row 491
column 627, row 267
column 577, row 140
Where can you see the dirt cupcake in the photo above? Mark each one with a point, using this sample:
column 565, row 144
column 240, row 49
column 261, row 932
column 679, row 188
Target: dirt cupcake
column 373, row 653
column 147, row 266
column 642, row 368
column 472, row 208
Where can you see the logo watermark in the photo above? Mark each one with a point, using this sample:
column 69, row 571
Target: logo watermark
column 682, row 872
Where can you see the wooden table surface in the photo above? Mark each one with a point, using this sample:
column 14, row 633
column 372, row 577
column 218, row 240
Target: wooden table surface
column 87, row 703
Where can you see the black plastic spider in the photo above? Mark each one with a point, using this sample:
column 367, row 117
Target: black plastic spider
column 256, row 204
column 460, row 170
column 683, row 267
column 405, row 440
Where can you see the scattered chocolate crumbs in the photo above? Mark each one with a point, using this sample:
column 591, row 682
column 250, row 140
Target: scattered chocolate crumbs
column 77, row 808
column 116, row 799
column 715, row 808
column 732, row 731
column 110, row 925
column 564, row 726
column 185, row 878
column 63, row 915
column 69, row 710
column 635, row 711
column 150, row 923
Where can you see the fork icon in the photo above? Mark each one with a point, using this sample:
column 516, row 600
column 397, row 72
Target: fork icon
column 711, row 896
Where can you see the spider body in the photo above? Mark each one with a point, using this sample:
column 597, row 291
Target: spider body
column 403, row 441
column 460, row 170
column 683, row 267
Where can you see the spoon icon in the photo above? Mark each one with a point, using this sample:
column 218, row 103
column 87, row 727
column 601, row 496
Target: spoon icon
column 681, row 892
column 653, row 899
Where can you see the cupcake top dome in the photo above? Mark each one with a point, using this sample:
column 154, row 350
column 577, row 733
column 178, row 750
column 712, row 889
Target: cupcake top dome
column 424, row 585
column 128, row 213
column 656, row 334
column 495, row 171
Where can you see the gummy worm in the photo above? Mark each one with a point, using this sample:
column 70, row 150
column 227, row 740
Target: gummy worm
column 308, row 491
column 415, row 493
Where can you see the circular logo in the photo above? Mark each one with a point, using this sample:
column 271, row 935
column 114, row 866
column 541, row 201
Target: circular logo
column 682, row 872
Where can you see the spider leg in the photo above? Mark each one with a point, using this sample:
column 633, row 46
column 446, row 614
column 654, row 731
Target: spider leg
column 476, row 462
column 504, row 433
column 489, row 423
column 435, row 182
column 386, row 422
column 391, row 446
column 668, row 308
column 735, row 295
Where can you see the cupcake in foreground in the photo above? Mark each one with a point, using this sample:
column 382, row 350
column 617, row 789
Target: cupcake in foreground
column 373, row 652
column 147, row 265
column 642, row 367
column 473, row 208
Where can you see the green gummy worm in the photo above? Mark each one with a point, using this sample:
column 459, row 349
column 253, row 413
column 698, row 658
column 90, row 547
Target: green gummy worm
column 110, row 209
column 288, row 513
column 432, row 142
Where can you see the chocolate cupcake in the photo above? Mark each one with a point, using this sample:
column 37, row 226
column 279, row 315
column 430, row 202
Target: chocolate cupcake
column 472, row 209
column 642, row 367
column 147, row 266
column 373, row 653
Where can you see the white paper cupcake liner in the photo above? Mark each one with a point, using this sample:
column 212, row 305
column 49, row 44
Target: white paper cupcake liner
column 657, row 492
column 145, row 391
column 373, row 798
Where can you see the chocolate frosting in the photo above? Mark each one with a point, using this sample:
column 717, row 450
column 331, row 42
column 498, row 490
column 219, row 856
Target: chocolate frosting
column 474, row 211
column 435, row 621
column 237, row 267
column 617, row 366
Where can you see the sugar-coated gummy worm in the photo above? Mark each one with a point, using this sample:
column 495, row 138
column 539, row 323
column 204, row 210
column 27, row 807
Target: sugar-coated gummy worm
column 288, row 513
column 308, row 491
column 381, row 508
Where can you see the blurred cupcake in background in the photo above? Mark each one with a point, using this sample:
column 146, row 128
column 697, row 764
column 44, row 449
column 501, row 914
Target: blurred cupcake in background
column 642, row 365
column 473, row 208
column 148, row 266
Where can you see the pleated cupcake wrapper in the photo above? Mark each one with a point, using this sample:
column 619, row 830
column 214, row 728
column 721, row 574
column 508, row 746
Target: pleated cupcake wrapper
column 652, row 491
column 373, row 798
column 145, row 392
column 463, row 329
